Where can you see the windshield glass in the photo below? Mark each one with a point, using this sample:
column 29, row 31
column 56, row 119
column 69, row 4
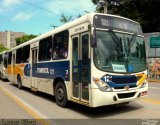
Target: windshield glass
column 118, row 52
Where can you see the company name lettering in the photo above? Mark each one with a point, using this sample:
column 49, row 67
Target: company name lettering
column 43, row 70
column 79, row 29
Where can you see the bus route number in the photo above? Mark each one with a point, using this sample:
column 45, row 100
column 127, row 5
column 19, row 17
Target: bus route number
column 52, row 71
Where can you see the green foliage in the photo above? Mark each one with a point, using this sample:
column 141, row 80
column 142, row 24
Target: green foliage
column 24, row 38
column 79, row 16
column 146, row 12
column 65, row 19
column 2, row 48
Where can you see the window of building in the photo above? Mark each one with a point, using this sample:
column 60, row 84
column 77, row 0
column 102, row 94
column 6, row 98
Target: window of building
column 60, row 45
column 45, row 46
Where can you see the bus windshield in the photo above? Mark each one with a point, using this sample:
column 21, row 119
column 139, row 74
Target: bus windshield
column 119, row 52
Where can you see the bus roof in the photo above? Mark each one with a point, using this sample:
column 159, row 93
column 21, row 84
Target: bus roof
column 86, row 18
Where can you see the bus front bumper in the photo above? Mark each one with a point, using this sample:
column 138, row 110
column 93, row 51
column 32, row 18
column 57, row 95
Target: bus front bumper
column 100, row 98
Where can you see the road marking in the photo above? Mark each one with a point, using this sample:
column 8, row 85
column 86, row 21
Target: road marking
column 154, row 88
column 150, row 100
column 32, row 111
column 154, row 82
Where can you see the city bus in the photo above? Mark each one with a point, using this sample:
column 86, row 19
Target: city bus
column 3, row 65
column 95, row 60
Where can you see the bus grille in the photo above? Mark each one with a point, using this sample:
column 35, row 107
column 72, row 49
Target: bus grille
column 126, row 95
column 124, row 79
column 124, row 87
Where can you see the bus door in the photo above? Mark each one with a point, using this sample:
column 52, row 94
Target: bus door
column 80, row 66
column 33, row 67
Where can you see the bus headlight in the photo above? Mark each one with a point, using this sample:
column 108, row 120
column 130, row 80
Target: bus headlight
column 102, row 85
column 143, row 84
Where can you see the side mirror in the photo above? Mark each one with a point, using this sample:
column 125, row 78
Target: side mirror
column 93, row 41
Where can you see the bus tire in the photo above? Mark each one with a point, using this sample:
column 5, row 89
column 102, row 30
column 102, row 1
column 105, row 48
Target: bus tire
column 61, row 94
column 19, row 82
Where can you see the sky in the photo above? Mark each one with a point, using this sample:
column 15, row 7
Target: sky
column 38, row 16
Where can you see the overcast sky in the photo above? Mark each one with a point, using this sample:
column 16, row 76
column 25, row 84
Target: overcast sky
column 36, row 16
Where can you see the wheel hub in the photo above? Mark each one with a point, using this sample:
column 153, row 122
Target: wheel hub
column 60, row 94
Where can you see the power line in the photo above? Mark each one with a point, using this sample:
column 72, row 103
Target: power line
column 30, row 4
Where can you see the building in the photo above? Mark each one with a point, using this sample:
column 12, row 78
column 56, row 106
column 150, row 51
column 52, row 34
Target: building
column 7, row 38
column 152, row 41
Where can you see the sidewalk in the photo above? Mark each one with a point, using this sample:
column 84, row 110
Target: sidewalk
column 153, row 80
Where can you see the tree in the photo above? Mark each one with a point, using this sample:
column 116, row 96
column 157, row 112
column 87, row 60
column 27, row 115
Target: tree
column 2, row 48
column 24, row 38
column 146, row 12
column 65, row 19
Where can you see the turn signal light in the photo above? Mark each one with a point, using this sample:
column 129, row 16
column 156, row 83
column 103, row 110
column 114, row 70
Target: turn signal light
column 144, row 93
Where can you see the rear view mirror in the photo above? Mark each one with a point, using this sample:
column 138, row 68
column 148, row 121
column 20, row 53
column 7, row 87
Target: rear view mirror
column 93, row 41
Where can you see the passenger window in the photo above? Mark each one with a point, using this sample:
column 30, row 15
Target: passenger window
column 60, row 45
column 19, row 56
column 45, row 46
column 9, row 57
column 25, row 54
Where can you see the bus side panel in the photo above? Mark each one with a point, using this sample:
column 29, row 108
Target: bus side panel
column 45, row 73
column 45, row 85
column 26, row 81
column 9, row 72
column 26, row 78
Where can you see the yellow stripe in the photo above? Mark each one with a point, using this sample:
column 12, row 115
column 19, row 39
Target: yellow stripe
column 142, row 79
column 80, row 102
column 34, row 114
column 150, row 100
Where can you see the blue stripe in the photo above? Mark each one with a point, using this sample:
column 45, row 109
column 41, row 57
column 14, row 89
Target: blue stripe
column 49, row 70
column 116, row 81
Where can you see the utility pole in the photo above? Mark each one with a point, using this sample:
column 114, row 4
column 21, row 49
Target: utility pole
column 53, row 26
column 105, row 8
column 8, row 39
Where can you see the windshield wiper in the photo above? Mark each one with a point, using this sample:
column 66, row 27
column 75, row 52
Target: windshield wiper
column 132, row 40
column 116, row 40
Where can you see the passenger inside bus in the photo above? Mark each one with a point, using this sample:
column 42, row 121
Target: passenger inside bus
column 65, row 50
column 56, row 53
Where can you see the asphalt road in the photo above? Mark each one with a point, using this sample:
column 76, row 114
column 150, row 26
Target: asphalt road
column 27, row 105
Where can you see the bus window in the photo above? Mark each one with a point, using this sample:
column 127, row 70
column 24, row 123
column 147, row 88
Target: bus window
column 60, row 45
column 25, row 54
column 19, row 56
column 45, row 46
column 9, row 57
column 5, row 59
column 85, row 39
column 1, row 59
column 75, row 51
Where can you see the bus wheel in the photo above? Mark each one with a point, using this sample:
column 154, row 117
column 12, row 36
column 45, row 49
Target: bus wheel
column 19, row 82
column 61, row 94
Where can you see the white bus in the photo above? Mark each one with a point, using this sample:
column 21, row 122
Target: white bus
column 96, row 60
column 3, row 65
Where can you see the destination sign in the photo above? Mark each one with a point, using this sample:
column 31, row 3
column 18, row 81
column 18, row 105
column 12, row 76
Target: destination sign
column 117, row 23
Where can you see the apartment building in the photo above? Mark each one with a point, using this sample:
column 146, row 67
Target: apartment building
column 7, row 38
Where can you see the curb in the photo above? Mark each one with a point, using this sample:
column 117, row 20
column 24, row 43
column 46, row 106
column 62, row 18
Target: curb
column 154, row 80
